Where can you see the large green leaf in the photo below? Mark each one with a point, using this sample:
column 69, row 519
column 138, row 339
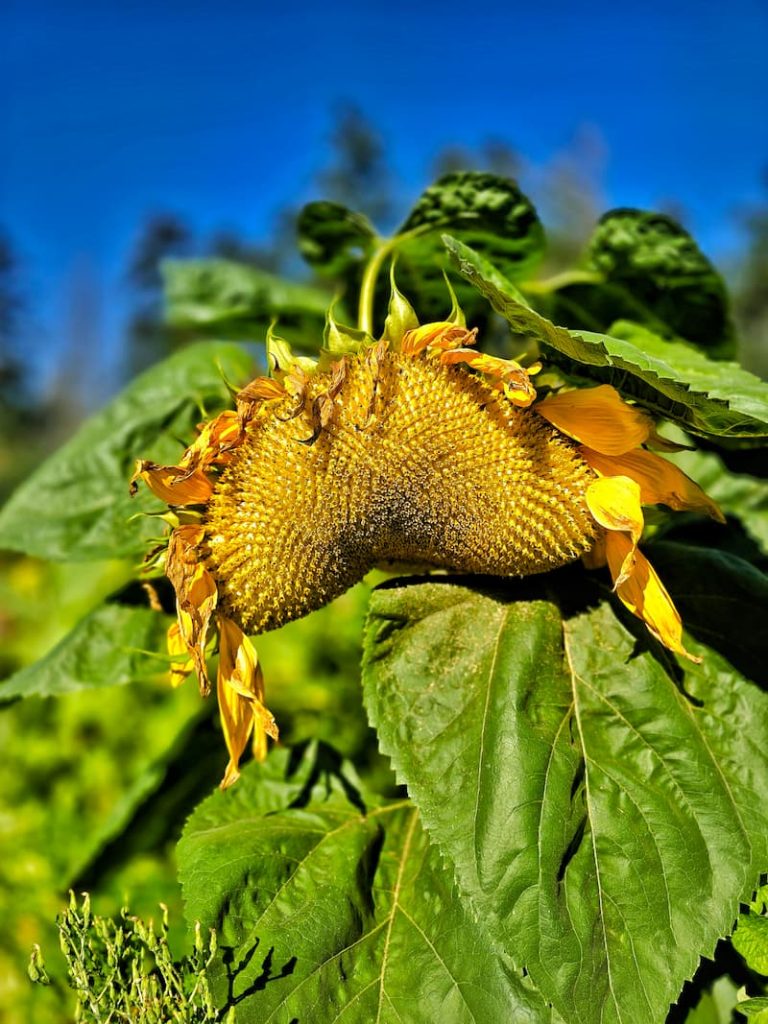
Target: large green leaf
column 232, row 298
column 76, row 505
column 674, row 380
column 107, row 648
column 327, row 909
column 650, row 270
column 333, row 238
column 602, row 822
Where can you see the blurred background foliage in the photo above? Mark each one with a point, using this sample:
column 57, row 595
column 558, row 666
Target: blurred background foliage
column 80, row 773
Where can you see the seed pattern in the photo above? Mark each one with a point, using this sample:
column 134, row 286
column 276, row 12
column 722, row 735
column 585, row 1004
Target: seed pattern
column 419, row 463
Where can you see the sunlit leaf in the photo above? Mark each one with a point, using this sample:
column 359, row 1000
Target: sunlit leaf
column 77, row 505
column 107, row 648
column 580, row 791
column 674, row 380
column 329, row 909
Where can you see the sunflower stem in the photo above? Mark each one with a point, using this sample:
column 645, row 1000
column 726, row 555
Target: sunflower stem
column 384, row 248
column 561, row 280
column 368, row 286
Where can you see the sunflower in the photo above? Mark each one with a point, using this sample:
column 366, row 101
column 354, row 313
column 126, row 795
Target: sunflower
column 415, row 449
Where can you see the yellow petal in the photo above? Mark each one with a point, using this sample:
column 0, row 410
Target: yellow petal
column 175, row 485
column 614, row 501
column 599, row 418
column 442, row 336
column 645, row 596
column 240, row 688
column 660, row 482
column 510, row 376
column 177, row 647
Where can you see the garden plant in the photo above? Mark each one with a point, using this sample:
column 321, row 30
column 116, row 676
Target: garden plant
column 542, row 796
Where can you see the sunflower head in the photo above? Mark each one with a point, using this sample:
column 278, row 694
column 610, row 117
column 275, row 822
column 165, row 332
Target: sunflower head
column 416, row 448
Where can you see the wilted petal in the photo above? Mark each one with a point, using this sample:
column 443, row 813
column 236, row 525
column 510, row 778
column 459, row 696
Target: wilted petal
column 175, row 485
column 645, row 596
column 240, row 688
column 177, row 647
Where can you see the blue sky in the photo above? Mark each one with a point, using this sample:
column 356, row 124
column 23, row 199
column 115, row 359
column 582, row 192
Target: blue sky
column 222, row 112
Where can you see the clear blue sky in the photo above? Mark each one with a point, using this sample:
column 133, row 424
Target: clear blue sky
column 221, row 111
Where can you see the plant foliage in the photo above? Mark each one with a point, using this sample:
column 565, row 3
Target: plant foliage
column 580, row 816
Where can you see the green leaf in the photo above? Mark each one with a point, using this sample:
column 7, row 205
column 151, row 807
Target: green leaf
column 716, row 1005
column 232, row 298
column 332, row 238
column 751, row 936
column 654, row 272
column 755, row 1009
column 322, row 902
column 739, row 496
column 485, row 211
column 751, row 940
column 76, row 505
column 722, row 600
column 105, row 649
column 579, row 791
column 674, row 380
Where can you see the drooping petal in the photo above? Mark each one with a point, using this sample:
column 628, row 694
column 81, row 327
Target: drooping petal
column 240, row 689
column 215, row 442
column 196, row 595
column 661, row 483
column 175, row 485
column 614, row 501
column 599, row 418
column 644, row 594
column 177, row 647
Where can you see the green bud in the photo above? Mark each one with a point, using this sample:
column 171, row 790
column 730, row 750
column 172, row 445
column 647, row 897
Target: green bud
column 36, row 968
column 456, row 316
column 401, row 316
column 340, row 340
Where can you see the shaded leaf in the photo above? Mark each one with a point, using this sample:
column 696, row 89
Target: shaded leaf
column 218, row 293
column 107, row 648
column 715, row 1006
column 332, row 238
column 579, row 792
column 76, row 505
column 673, row 380
column 325, row 906
column 653, row 272
column 153, row 809
column 722, row 600
column 743, row 497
